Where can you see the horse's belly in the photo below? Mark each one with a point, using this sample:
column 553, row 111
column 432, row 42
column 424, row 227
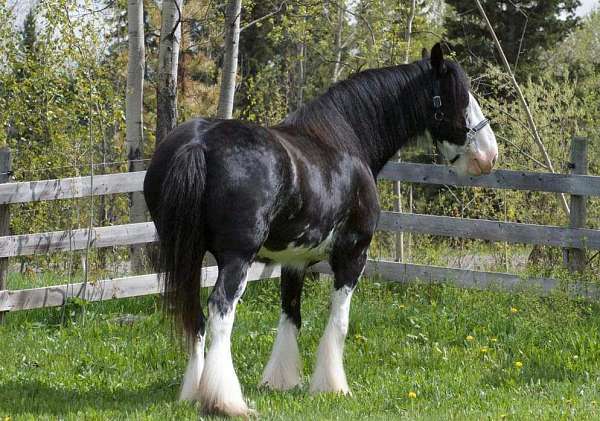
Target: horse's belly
column 299, row 254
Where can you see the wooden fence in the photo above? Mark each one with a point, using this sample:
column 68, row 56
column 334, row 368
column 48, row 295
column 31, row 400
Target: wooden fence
column 574, row 237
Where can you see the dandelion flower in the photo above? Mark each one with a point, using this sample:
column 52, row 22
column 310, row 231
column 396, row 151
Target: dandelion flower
column 470, row 338
column 493, row 339
column 513, row 310
column 412, row 395
column 518, row 364
column 484, row 350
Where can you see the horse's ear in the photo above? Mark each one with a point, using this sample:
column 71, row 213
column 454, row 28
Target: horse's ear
column 424, row 54
column 437, row 59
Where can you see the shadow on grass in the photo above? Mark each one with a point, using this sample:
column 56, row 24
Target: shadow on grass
column 33, row 397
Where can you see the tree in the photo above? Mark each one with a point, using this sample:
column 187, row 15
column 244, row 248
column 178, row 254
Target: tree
column 168, row 59
column 134, row 111
column 525, row 28
column 230, row 59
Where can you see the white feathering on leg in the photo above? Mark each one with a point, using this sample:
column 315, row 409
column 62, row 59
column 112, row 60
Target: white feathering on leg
column 193, row 372
column 282, row 372
column 329, row 375
column 220, row 390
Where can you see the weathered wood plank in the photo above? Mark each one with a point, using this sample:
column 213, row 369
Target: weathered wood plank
column 490, row 230
column 389, row 271
column 120, row 235
column 576, row 258
column 500, row 179
column 117, row 235
column 70, row 188
column 132, row 286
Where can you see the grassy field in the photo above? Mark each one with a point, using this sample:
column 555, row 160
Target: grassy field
column 413, row 352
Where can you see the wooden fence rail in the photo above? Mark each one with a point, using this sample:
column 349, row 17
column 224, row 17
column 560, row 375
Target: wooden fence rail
column 134, row 286
column 585, row 185
column 77, row 187
column 144, row 232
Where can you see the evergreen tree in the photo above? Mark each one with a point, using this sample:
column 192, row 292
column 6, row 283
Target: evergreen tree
column 525, row 28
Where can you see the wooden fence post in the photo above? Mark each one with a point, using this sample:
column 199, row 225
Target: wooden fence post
column 399, row 236
column 5, row 171
column 576, row 259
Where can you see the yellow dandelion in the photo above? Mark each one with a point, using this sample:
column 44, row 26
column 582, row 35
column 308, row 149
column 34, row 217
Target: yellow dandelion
column 484, row 350
column 401, row 306
column 470, row 338
column 518, row 364
column 412, row 395
column 513, row 310
column 493, row 339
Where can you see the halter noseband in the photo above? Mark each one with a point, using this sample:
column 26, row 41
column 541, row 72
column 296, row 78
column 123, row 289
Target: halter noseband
column 438, row 114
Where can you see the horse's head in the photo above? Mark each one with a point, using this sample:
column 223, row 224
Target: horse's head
column 462, row 133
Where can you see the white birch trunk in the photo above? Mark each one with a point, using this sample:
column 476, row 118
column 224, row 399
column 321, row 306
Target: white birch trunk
column 133, row 111
column 168, row 59
column 337, row 68
column 230, row 60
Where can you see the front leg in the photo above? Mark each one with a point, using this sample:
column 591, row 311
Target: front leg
column 329, row 374
column 348, row 258
column 282, row 372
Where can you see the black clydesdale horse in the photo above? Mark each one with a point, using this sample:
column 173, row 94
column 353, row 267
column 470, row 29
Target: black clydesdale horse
column 297, row 193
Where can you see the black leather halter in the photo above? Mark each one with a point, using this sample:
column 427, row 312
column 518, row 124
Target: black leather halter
column 438, row 114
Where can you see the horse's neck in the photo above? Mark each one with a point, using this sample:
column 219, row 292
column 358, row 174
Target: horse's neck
column 402, row 114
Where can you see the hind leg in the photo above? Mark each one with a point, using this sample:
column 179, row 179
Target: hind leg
column 195, row 366
column 282, row 372
column 220, row 391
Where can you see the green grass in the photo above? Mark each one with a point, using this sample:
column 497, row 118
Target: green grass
column 82, row 363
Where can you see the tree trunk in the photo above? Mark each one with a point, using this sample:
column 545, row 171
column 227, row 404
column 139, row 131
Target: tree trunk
column 168, row 59
column 337, row 68
column 133, row 111
column 409, row 23
column 232, row 41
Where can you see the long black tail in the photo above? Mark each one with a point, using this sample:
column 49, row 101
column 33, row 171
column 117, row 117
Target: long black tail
column 181, row 236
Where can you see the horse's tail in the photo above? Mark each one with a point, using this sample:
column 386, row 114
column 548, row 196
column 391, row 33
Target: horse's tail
column 181, row 236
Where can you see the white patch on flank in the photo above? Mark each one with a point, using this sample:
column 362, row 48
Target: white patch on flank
column 282, row 372
column 193, row 372
column 294, row 255
column 329, row 375
column 220, row 390
column 479, row 155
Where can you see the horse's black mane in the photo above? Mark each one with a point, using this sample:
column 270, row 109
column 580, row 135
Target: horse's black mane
column 376, row 111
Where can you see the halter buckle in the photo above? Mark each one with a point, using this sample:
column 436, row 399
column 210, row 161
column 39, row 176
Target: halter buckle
column 437, row 102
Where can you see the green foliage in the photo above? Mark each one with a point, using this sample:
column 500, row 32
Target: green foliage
column 525, row 29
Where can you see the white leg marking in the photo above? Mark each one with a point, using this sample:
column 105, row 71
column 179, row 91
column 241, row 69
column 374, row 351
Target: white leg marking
column 329, row 375
column 282, row 372
column 220, row 390
column 193, row 372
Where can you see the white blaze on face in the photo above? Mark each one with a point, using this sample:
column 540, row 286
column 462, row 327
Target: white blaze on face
column 479, row 156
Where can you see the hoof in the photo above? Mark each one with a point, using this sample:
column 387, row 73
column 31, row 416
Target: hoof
column 279, row 384
column 340, row 388
column 280, row 379
column 229, row 409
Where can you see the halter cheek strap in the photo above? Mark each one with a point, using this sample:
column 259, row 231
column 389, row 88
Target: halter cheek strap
column 438, row 114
